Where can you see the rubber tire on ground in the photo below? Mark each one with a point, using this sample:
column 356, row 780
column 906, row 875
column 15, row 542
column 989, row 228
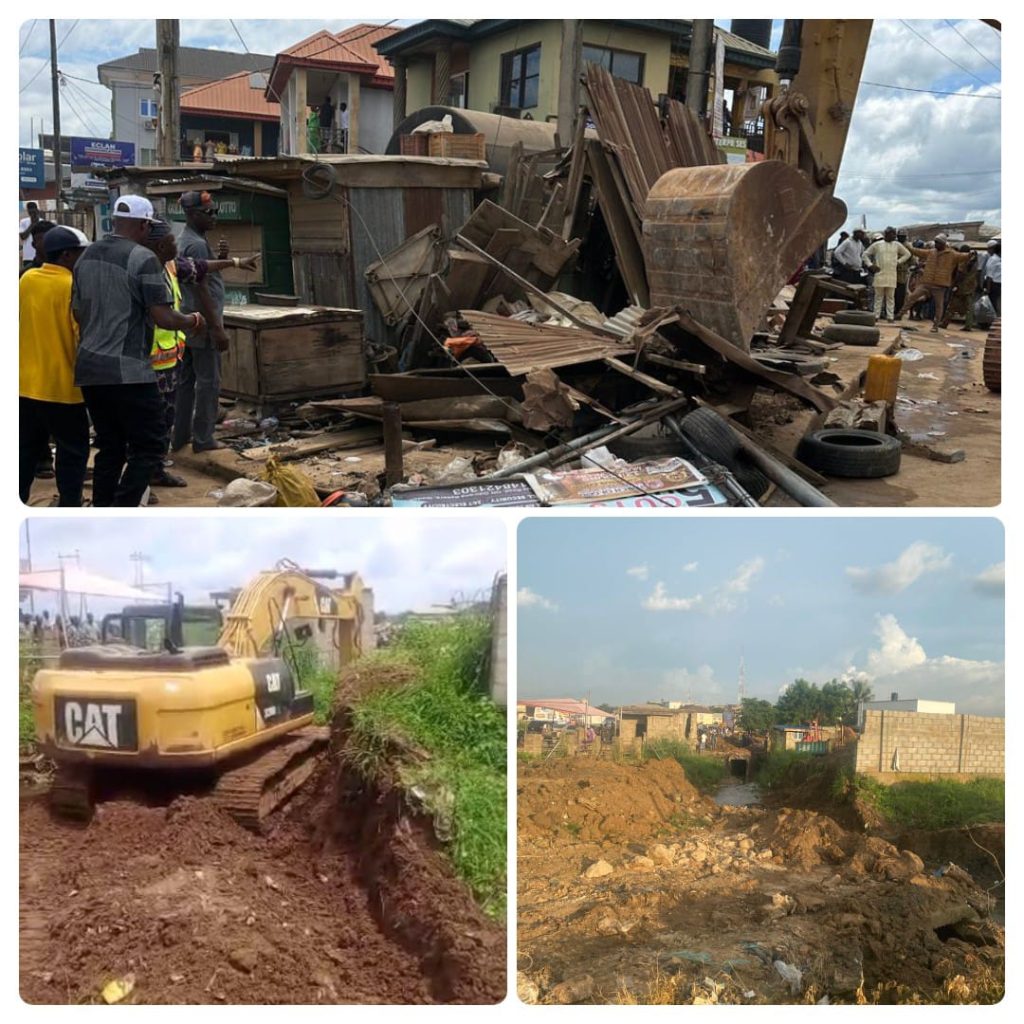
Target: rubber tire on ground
column 860, row 454
column 859, row 317
column 751, row 479
column 992, row 361
column 715, row 438
column 643, row 449
column 851, row 334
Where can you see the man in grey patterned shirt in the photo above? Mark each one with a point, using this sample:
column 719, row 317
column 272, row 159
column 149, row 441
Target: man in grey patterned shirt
column 116, row 292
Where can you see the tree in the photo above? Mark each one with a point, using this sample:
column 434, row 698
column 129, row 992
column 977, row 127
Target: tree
column 837, row 702
column 801, row 703
column 756, row 715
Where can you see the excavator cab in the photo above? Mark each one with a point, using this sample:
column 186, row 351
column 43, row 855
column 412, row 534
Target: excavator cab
column 149, row 627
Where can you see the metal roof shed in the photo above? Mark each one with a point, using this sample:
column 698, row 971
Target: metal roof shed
column 356, row 209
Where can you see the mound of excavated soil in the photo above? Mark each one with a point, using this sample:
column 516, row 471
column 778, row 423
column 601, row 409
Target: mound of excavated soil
column 597, row 800
column 346, row 899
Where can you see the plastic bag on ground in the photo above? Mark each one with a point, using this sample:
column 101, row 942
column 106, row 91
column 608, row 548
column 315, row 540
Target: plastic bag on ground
column 294, row 488
column 246, row 493
column 984, row 312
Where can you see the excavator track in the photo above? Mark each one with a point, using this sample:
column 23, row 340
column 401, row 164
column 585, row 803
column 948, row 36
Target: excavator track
column 71, row 793
column 252, row 791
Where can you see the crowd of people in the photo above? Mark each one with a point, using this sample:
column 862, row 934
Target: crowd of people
column 918, row 280
column 58, row 632
column 121, row 338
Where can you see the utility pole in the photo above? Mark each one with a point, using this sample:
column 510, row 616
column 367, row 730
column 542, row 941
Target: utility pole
column 700, row 56
column 168, row 131
column 571, row 57
column 58, row 171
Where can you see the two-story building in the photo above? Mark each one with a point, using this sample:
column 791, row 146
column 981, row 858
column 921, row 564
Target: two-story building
column 134, row 100
column 511, row 67
column 234, row 113
column 344, row 68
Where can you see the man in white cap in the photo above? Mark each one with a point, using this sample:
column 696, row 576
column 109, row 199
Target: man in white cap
column 119, row 288
column 49, row 404
column 940, row 264
column 886, row 255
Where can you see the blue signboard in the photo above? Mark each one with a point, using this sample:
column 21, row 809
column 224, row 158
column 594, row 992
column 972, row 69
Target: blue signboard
column 31, row 172
column 87, row 153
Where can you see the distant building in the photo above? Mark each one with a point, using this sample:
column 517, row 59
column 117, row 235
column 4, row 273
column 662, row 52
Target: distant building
column 345, row 68
column 955, row 231
column 134, row 99
column 930, row 707
column 233, row 113
column 561, row 711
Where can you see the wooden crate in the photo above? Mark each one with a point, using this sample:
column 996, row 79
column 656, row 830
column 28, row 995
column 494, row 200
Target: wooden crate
column 283, row 353
column 457, row 147
column 413, row 145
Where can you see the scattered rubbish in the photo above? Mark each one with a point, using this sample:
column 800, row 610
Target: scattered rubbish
column 248, row 493
column 793, row 976
column 118, row 990
column 909, row 355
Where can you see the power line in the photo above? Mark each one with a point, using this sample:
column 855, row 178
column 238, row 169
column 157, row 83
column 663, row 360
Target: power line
column 66, row 34
column 973, row 47
column 81, row 117
column 935, row 92
column 46, row 60
column 239, row 34
column 28, row 36
column 947, row 56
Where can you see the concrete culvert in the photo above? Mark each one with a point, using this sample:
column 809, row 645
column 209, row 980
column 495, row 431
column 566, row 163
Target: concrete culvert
column 738, row 767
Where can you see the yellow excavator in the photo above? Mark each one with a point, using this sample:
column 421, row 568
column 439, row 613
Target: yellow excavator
column 236, row 709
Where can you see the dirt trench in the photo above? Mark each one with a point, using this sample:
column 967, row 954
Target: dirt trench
column 344, row 899
column 632, row 891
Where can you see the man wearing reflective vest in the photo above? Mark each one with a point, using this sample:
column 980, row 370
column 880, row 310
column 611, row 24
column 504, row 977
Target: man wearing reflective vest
column 169, row 346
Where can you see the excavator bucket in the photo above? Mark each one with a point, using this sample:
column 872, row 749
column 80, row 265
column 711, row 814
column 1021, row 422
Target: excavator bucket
column 722, row 240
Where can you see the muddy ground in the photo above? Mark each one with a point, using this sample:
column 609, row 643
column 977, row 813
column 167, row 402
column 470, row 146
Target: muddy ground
column 635, row 888
column 942, row 401
column 344, row 899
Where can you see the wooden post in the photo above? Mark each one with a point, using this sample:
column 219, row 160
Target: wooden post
column 442, row 75
column 739, row 103
column 571, row 58
column 168, row 136
column 399, row 97
column 257, row 138
column 697, row 73
column 354, row 82
column 300, row 113
column 58, row 170
column 394, row 470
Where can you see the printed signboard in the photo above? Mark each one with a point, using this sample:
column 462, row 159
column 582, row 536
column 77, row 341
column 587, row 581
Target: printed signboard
column 31, row 171
column 86, row 153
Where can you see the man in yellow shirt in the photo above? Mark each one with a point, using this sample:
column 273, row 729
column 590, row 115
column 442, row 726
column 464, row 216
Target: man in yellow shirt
column 49, row 404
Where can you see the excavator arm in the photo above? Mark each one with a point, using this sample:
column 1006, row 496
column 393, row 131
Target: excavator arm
column 278, row 607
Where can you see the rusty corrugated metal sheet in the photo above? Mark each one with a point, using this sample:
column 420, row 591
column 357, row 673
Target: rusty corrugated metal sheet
column 232, row 95
column 522, row 347
column 377, row 225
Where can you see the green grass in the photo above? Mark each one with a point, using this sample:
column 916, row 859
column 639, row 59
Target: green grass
column 450, row 743
column 784, row 767
column 938, row 804
column 705, row 772
column 312, row 675
column 29, row 663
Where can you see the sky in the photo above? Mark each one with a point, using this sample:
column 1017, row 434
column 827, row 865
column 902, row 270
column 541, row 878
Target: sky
column 411, row 562
column 911, row 157
column 627, row 611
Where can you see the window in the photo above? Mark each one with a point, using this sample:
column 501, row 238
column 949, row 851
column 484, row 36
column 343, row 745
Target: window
column 147, row 157
column 520, row 77
column 458, row 90
column 621, row 63
column 148, row 108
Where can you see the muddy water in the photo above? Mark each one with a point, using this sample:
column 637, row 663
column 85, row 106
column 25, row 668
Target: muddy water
column 738, row 794
column 928, row 419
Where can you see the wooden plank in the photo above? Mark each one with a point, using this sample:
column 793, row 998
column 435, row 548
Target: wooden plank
column 653, row 383
column 675, row 364
column 353, row 438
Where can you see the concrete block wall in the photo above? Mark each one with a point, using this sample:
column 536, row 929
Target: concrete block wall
column 931, row 744
column 533, row 744
column 666, row 727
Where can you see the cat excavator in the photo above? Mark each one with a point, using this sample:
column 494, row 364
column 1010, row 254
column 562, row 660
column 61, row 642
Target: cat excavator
column 235, row 711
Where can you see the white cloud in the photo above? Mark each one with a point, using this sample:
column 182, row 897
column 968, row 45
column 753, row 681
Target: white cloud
column 526, row 598
column 660, row 601
column 683, row 684
column 640, row 572
column 992, row 581
column 740, row 582
column 900, row 664
column 690, row 567
column 720, row 599
column 916, row 561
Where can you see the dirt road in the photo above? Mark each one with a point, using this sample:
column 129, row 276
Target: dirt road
column 345, row 899
column 634, row 888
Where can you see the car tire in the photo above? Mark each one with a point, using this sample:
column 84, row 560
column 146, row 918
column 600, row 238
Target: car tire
column 643, row 449
column 851, row 334
column 751, row 479
column 992, row 360
column 715, row 438
column 860, row 454
column 859, row 317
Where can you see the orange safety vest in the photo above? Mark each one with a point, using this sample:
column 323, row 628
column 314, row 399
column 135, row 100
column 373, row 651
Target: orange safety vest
column 168, row 346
